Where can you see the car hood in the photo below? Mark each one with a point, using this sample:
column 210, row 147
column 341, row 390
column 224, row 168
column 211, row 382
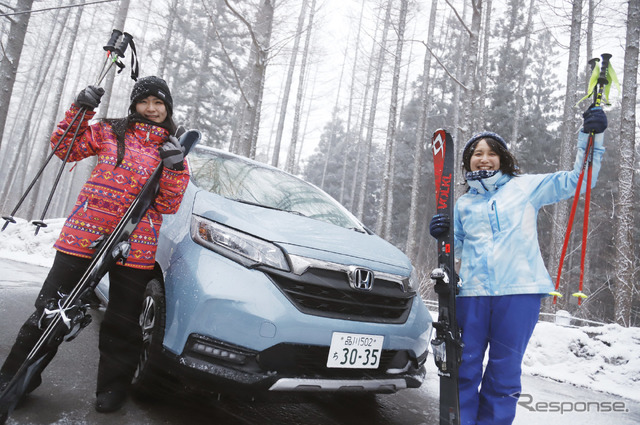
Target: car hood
column 304, row 236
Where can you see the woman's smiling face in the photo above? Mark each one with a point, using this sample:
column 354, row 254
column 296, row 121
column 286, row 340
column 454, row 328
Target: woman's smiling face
column 484, row 158
column 152, row 108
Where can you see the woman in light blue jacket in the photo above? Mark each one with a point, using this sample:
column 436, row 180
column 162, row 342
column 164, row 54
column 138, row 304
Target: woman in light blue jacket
column 502, row 271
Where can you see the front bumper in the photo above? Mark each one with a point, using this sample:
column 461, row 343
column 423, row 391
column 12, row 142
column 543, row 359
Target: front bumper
column 211, row 366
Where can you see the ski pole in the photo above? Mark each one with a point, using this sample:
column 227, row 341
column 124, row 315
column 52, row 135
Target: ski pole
column 602, row 82
column 10, row 219
column 576, row 196
column 40, row 223
column 109, row 48
column 586, row 165
column 117, row 52
column 114, row 52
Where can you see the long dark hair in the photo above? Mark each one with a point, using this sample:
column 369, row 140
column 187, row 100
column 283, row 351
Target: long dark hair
column 508, row 162
column 120, row 126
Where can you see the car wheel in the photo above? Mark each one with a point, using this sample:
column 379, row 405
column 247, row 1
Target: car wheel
column 146, row 380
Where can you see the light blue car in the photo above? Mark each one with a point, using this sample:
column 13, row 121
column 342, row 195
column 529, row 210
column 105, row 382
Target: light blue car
column 267, row 284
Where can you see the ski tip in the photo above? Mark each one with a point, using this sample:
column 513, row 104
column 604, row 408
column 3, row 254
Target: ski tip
column 180, row 131
column 189, row 139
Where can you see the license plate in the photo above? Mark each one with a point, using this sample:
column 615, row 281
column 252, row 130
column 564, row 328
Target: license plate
column 355, row 351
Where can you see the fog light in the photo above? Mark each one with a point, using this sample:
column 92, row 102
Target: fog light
column 218, row 352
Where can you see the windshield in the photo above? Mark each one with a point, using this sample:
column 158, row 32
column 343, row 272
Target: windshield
column 251, row 182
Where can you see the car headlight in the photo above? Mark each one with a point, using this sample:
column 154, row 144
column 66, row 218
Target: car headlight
column 237, row 246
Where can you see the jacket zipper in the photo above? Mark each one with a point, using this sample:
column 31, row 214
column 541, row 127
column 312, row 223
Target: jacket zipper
column 155, row 234
column 83, row 205
column 494, row 208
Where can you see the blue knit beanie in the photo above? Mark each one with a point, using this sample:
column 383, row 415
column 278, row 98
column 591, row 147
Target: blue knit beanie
column 485, row 134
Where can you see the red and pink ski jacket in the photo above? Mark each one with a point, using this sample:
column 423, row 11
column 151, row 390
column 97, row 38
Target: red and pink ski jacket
column 110, row 190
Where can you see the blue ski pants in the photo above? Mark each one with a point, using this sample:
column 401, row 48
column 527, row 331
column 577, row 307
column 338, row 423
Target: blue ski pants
column 504, row 324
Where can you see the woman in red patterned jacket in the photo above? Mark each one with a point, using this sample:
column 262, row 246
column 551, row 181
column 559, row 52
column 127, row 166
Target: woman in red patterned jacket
column 127, row 151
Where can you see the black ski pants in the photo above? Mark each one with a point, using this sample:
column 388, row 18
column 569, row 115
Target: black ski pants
column 120, row 338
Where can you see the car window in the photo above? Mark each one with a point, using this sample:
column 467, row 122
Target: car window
column 250, row 182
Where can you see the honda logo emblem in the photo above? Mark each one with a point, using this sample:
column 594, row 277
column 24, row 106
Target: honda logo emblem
column 361, row 279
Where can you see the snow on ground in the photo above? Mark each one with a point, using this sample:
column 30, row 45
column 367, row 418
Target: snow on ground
column 603, row 358
column 19, row 241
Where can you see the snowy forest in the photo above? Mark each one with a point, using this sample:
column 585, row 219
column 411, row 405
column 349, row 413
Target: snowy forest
column 346, row 94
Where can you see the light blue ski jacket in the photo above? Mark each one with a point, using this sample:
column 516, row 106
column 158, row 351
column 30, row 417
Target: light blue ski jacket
column 496, row 234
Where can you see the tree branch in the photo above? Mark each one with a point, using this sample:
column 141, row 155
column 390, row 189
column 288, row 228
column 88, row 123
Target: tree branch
column 459, row 19
column 226, row 54
column 247, row 24
column 441, row 64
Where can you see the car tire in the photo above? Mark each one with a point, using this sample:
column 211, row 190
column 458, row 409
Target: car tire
column 147, row 381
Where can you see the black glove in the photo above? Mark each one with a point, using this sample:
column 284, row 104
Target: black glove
column 172, row 154
column 89, row 97
column 439, row 225
column 594, row 120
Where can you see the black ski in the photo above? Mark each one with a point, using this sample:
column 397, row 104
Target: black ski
column 70, row 315
column 447, row 344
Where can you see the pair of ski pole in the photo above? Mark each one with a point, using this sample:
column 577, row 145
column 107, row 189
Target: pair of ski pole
column 115, row 48
column 603, row 81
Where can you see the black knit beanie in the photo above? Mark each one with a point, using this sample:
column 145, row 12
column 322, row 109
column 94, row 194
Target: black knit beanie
column 148, row 86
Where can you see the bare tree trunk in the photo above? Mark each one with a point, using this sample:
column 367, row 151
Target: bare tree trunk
column 421, row 138
column 19, row 166
column 624, row 225
column 168, row 37
column 50, row 124
column 386, row 207
column 471, row 79
column 519, row 95
column 349, row 133
column 291, row 156
column 246, row 132
column 11, row 58
column 202, row 76
column 360, row 144
column 591, row 17
column 306, row 120
column 372, row 111
column 287, row 86
column 483, row 71
column 560, row 214
column 457, row 91
column 334, row 118
column 118, row 23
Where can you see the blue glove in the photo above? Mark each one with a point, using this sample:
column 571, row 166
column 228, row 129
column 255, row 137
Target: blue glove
column 439, row 225
column 594, row 120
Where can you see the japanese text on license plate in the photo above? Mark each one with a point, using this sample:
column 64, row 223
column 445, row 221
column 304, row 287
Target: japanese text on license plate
column 356, row 351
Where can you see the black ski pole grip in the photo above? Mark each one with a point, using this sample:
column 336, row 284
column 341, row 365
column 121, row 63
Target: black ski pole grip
column 602, row 80
column 122, row 47
column 111, row 44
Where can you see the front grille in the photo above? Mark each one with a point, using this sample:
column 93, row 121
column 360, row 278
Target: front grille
column 327, row 293
column 311, row 361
